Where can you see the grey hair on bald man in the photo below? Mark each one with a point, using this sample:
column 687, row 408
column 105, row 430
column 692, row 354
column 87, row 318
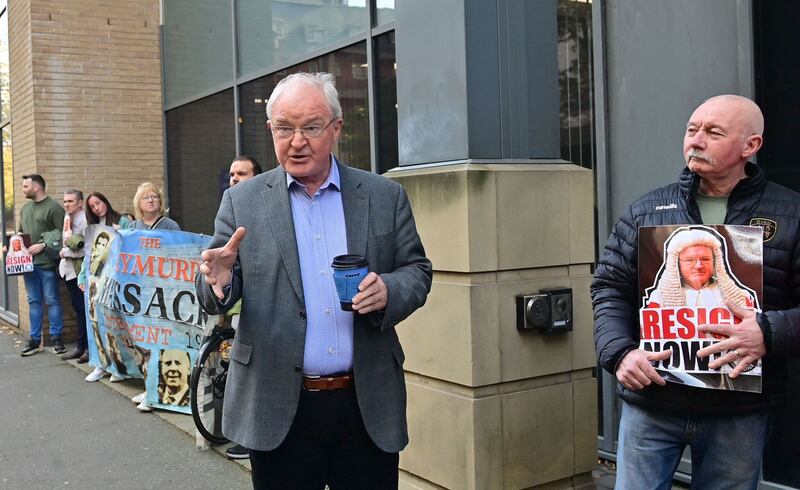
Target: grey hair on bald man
column 323, row 81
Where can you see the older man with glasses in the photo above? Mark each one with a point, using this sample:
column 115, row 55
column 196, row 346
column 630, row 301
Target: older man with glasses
column 315, row 392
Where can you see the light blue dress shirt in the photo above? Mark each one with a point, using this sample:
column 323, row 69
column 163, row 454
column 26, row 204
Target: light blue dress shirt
column 321, row 235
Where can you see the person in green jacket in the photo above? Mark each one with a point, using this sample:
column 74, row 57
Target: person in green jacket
column 42, row 219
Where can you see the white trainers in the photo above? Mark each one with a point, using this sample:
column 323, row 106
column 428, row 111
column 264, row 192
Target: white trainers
column 139, row 398
column 96, row 375
column 116, row 378
column 144, row 407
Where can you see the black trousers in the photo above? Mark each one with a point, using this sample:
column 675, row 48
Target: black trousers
column 326, row 445
column 76, row 298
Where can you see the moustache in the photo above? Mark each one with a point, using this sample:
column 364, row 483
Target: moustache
column 695, row 153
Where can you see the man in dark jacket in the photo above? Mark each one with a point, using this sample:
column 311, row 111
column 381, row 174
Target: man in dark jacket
column 725, row 429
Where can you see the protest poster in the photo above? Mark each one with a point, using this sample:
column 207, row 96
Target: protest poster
column 143, row 310
column 18, row 259
column 686, row 275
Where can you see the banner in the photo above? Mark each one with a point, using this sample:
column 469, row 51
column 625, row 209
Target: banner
column 686, row 275
column 142, row 309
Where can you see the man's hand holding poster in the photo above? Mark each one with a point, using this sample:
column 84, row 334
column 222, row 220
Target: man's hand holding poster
column 144, row 317
column 693, row 276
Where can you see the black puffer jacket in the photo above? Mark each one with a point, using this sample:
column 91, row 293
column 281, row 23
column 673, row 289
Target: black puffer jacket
column 614, row 288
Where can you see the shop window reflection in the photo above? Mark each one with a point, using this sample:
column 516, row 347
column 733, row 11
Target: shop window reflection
column 386, row 102
column 5, row 101
column 201, row 144
column 345, row 64
column 575, row 81
column 8, row 182
column 384, row 12
column 298, row 28
column 197, row 47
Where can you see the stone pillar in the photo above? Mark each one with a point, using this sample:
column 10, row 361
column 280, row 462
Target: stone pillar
column 500, row 215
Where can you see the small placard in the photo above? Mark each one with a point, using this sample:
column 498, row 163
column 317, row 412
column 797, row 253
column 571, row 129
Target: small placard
column 18, row 259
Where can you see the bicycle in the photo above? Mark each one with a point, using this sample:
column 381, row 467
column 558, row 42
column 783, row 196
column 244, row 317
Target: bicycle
column 207, row 383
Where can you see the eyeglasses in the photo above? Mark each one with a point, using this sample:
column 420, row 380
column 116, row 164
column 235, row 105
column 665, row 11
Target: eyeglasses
column 151, row 197
column 312, row 131
column 706, row 261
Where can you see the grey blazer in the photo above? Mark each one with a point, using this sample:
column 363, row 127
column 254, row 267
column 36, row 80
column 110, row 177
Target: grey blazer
column 265, row 375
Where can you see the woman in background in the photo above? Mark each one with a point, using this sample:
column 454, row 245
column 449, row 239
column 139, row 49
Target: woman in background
column 148, row 204
column 99, row 211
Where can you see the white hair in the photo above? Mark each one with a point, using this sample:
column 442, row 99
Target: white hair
column 325, row 82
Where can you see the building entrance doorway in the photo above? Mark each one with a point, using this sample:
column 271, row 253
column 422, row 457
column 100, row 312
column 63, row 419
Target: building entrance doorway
column 777, row 71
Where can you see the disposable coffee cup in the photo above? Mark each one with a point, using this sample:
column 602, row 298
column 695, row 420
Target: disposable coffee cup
column 348, row 272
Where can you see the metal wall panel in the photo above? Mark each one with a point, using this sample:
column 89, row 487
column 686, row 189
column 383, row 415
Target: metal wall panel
column 662, row 60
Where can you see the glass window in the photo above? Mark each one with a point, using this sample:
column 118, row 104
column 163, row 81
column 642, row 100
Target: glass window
column 5, row 103
column 384, row 12
column 575, row 81
column 386, row 101
column 198, row 47
column 272, row 31
column 9, row 301
column 201, row 143
column 348, row 65
column 8, row 182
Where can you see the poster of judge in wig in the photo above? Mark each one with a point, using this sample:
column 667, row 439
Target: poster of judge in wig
column 697, row 275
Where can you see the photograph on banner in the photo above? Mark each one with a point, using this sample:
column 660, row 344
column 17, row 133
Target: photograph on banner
column 149, row 322
column 687, row 277
column 98, row 240
column 18, row 259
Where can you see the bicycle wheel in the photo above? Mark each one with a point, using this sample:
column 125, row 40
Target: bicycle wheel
column 208, row 378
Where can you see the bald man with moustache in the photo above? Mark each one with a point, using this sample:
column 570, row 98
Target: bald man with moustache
column 726, row 430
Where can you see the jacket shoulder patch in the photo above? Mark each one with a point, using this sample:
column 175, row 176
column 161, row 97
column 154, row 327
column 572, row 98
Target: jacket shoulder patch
column 770, row 227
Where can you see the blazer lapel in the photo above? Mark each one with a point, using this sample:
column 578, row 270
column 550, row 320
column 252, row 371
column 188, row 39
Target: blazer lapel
column 278, row 209
column 355, row 201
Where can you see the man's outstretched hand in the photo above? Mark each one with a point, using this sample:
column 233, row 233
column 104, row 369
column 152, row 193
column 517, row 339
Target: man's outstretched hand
column 217, row 266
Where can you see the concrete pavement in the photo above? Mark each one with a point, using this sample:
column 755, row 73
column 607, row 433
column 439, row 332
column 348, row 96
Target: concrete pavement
column 58, row 431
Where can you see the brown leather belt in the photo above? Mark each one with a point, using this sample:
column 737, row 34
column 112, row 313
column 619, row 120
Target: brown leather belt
column 327, row 383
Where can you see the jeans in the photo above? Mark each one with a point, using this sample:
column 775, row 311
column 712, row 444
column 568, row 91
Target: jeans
column 726, row 449
column 76, row 298
column 43, row 284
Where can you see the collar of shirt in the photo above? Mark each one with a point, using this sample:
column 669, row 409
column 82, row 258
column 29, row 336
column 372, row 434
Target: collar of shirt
column 333, row 179
column 709, row 296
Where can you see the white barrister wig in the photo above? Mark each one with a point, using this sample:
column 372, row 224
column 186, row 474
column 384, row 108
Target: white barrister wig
column 670, row 287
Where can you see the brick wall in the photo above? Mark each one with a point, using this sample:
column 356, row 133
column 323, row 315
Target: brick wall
column 86, row 100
